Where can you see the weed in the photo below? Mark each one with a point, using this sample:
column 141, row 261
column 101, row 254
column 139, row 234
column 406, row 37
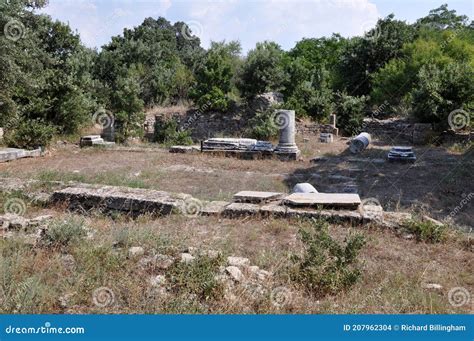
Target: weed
column 427, row 231
column 62, row 233
column 326, row 266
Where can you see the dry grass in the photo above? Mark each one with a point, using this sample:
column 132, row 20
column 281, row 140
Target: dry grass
column 436, row 184
column 394, row 270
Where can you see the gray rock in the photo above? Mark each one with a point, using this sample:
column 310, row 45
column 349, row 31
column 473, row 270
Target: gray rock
column 187, row 258
column 158, row 280
column 68, row 262
column 235, row 273
column 238, row 261
column 304, row 188
column 136, row 251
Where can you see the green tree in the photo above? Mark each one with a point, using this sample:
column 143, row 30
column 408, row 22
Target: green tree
column 214, row 76
column 262, row 70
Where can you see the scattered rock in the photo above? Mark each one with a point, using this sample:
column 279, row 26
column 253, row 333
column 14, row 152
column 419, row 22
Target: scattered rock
column 212, row 254
column 40, row 220
column 136, row 251
column 263, row 275
column 163, row 262
column 433, row 286
column 431, row 220
column 253, row 269
column 158, row 280
column 235, row 273
column 187, row 258
column 64, row 300
column 18, row 223
column 68, row 262
column 238, row 261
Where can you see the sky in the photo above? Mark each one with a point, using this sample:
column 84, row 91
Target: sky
column 249, row 21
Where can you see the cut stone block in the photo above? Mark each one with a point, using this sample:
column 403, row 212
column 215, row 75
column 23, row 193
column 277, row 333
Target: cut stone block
column 326, row 138
column 228, row 144
column 9, row 154
column 185, row 149
column 241, row 209
column 125, row 199
column 214, row 207
column 256, row 197
column 336, row 200
column 402, row 154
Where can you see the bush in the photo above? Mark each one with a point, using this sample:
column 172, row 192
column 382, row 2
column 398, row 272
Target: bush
column 262, row 126
column 427, row 231
column 167, row 132
column 30, row 134
column 197, row 278
column 65, row 232
column 350, row 115
column 440, row 91
column 327, row 266
column 214, row 100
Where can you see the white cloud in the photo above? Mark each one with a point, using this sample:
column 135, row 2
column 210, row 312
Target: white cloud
column 283, row 21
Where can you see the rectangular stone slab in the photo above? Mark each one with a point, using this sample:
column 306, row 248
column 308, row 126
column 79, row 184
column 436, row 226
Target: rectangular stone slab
column 335, row 200
column 256, row 197
column 9, row 154
column 125, row 199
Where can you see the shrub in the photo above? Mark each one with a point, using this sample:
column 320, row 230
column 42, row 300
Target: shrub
column 30, row 134
column 327, row 266
column 65, row 232
column 427, row 231
column 262, row 125
column 197, row 278
column 167, row 132
column 214, row 100
column 349, row 110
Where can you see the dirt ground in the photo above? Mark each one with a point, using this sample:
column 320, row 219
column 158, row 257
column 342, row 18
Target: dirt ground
column 396, row 272
column 437, row 183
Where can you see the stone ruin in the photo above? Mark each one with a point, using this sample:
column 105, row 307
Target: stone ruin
column 251, row 148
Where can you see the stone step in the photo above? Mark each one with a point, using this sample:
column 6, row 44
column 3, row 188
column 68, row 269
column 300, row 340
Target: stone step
column 333, row 200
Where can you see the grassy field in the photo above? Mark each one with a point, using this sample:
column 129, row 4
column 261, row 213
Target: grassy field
column 84, row 265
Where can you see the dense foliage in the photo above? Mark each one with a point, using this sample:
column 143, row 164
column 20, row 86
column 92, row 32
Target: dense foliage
column 48, row 76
